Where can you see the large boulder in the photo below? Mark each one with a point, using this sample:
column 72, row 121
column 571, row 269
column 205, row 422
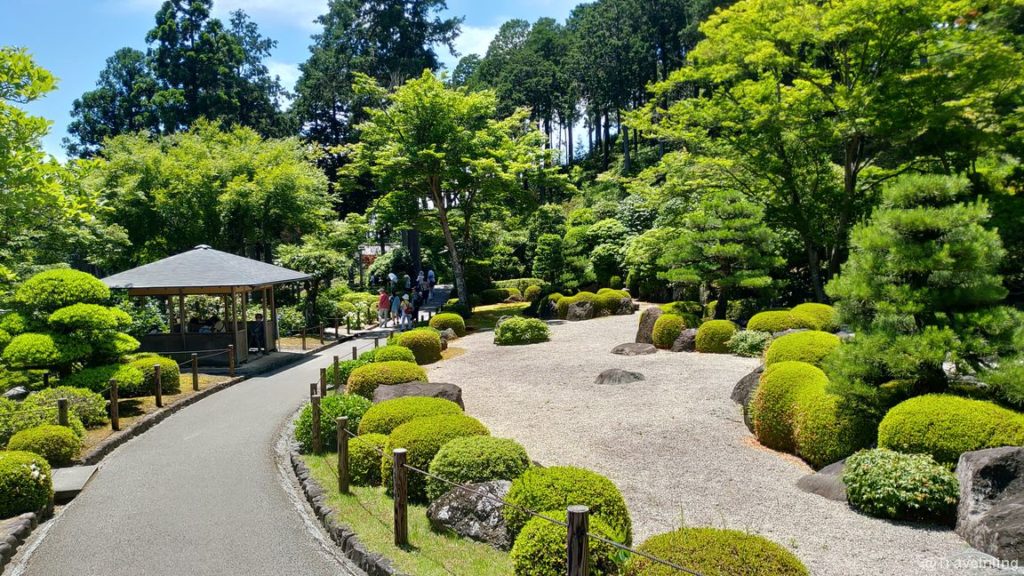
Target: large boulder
column 448, row 334
column 474, row 512
column 634, row 349
column 580, row 311
column 645, row 333
column 827, row 482
column 686, row 341
column 743, row 393
column 618, row 376
column 428, row 389
column 990, row 516
column 625, row 307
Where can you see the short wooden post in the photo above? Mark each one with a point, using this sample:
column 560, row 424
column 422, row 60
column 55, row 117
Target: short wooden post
column 323, row 382
column 115, row 421
column 303, row 338
column 343, row 454
column 400, row 485
column 576, row 540
column 46, row 379
column 337, row 333
column 231, row 360
column 359, row 320
column 195, row 372
column 376, row 342
column 317, row 443
column 355, row 353
column 62, row 411
column 337, row 375
column 312, row 389
column 321, row 334
column 158, row 386
column 348, row 325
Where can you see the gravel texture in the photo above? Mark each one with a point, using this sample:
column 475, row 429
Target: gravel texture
column 676, row 446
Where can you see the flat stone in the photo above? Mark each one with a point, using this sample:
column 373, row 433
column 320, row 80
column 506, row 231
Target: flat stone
column 990, row 516
column 580, row 311
column 448, row 334
column 16, row 393
column 68, row 482
column 645, row 333
column 428, row 389
column 617, row 376
column 474, row 513
column 827, row 482
column 634, row 349
column 686, row 341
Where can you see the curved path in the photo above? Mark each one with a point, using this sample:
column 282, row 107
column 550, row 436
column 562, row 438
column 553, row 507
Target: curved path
column 200, row 494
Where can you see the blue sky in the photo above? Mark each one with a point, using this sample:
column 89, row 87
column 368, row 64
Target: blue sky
column 73, row 38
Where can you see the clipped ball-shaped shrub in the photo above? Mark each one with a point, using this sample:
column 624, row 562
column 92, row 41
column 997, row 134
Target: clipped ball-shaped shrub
column 476, row 459
column 88, row 406
column 519, row 330
column 32, row 350
column 772, row 409
column 825, row 317
column 425, row 344
column 331, row 408
column 608, row 301
column 666, row 329
column 57, row 444
column 364, row 459
column 811, row 346
column 532, row 293
column 130, row 379
column 558, row 487
column 365, row 379
column 115, row 346
column 946, row 426
column 170, row 374
column 539, row 550
column 54, row 289
column 715, row 552
column 26, row 483
column 422, row 438
column 779, row 320
column 345, row 369
column 89, row 317
column 555, row 297
column 713, row 336
column 690, row 311
column 384, row 417
column 393, row 353
column 13, row 323
column 564, row 302
column 15, row 417
column 891, row 484
column 447, row 320
column 823, row 433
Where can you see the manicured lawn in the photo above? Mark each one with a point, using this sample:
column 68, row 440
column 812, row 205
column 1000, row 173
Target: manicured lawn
column 368, row 511
column 485, row 317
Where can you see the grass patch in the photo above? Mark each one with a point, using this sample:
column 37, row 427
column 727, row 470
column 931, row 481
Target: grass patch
column 369, row 512
column 485, row 317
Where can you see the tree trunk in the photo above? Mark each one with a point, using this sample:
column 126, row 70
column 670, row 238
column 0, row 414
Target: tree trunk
column 624, row 134
column 449, row 240
column 722, row 304
column 568, row 143
column 607, row 139
column 814, row 264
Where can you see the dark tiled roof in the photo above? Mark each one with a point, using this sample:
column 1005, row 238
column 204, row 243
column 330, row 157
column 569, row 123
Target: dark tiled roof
column 203, row 267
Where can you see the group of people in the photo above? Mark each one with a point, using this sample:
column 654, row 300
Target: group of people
column 401, row 307
column 210, row 326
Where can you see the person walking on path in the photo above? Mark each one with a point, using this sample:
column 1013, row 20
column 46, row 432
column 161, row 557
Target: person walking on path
column 406, row 313
column 395, row 306
column 383, row 305
column 423, row 287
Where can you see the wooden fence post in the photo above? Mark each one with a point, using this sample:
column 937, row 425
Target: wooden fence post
column 62, row 411
column 337, row 375
column 158, row 385
column 46, row 379
column 354, row 352
column 337, row 332
column 348, row 325
column 115, row 420
column 323, row 382
column 400, row 485
column 376, row 342
column 303, row 338
column 321, row 334
column 576, row 540
column 359, row 323
column 317, row 441
column 195, row 372
column 343, row 454
column 231, row 360
column 312, row 390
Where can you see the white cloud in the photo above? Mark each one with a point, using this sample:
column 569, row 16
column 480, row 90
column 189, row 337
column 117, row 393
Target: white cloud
column 472, row 40
column 286, row 71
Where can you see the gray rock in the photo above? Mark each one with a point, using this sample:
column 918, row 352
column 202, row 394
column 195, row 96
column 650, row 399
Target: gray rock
column 428, row 389
column 844, row 335
column 16, row 393
column 645, row 333
column 634, row 349
column 580, row 311
column 827, row 482
column 474, row 513
column 686, row 341
column 448, row 334
column 990, row 516
column 743, row 393
column 617, row 376
column 625, row 307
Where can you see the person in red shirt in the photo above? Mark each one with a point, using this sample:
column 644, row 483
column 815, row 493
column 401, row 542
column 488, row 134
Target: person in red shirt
column 383, row 304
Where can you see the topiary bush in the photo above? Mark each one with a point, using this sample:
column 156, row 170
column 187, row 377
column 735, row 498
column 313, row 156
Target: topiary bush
column 825, row 317
column 539, row 550
column 946, row 426
column 55, row 289
column 519, row 330
column 666, row 329
column 772, row 408
column 713, row 336
column 558, row 487
column 532, row 293
column 88, row 406
column 384, row 417
column 89, row 317
column 476, row 459
column 345, row 369
column 422, row 438
column 715, row 552
column 749, row 343
column 26, row 483
column 365, row 379
column 170, row 374
column 15, row 417
column 447, row 320
column 130, row 379
column 890, row 484
column 811, row 346
column 823, row 432
column 779, row 320
column 31, row 350
column 425, row 344
column 14, row 323
column 393, row 353
column 608, row 301
column 364, row 459
column 331, row 408
column 57, row 444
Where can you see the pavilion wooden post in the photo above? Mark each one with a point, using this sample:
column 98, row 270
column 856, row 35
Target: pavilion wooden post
column 266, row 320
column 181, row 320
column 273, row 314
column 234, row 321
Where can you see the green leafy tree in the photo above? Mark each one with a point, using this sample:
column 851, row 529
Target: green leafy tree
column 316, row 257
column 548, row 262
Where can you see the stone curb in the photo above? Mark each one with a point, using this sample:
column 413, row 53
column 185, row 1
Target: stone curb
column 15, row 535
column 370, row 562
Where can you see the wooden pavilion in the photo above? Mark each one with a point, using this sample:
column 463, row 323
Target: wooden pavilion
column 208, row 272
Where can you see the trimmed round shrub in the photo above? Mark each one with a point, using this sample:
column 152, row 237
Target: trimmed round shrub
column 715, row 552
column 825, row 317
column 946, row 426
column 170, row 374
column 476, row 459
column 666, row 329
column 532, row 293
column 129, row 378
column 608, row 301
column 365, row 379
column 393, row 353
column 26, row 483
column 713, row 336
column 31, row 350
column 690, row 311
column 890, row 484
column 54, row 289
column 364, row 459
column 88, row 406
column 15, row 417
column 772, row 409
column 425, row 344
column 13, row 323
column 825, row 434
column 779, row 320
column 558, row 487
column 422, row 438
column 811, row 346
column 447, row 320
column 748, row 343
column 115, row 346
column 539, row 550
column 331, row 408
column 566, row 301
column 89, row 317
column 57, row 444
column 519, row 330
column 345, row 369
column 384, row 417
column 555, row 297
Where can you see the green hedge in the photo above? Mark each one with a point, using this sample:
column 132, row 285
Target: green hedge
column 384, row 417
column 779, row 320
column 425, row 344
column 715, row 552
column 900, row 486
column 331, row 408
column 364, row 459
column 26, row 483
column 447, row 320
column 88, row 406
column 392, row 353
column 130, row 379
column 15, row 417
column 540, row 550
column 811, row 346
column 713, row 336
column 57, row 444
column 170, row 374
column 666, row 329
column 946, row 426
column 499, row 295
column 519, row 330
column 825, row 317
column 532, row 293
column 476, row 459
column 365, row 379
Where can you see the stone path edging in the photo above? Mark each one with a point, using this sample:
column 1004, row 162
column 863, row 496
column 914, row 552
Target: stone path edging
column 15, row 534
